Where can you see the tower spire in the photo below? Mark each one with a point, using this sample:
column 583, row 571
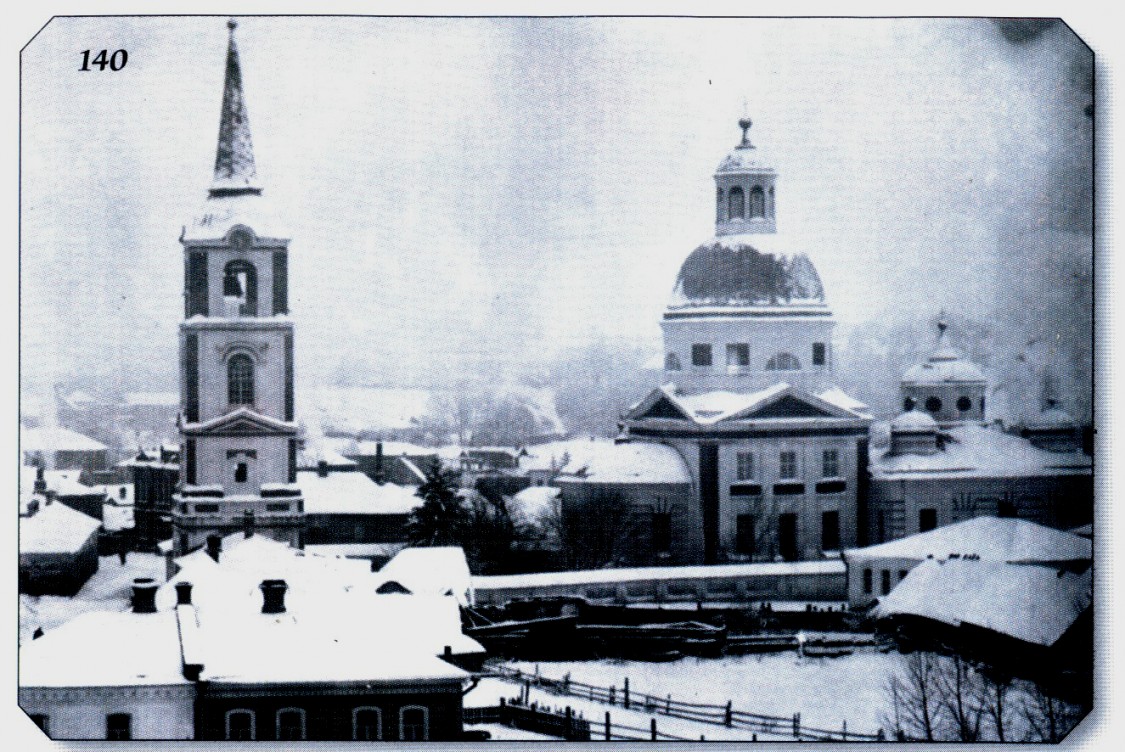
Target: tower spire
column 234, row 158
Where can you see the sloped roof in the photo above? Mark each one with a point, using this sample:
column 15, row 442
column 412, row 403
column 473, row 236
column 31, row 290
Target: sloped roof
column 605, row 461
column 1036, row 604
column 56, row 528
column 709, row 408
column 975, row 451
column 56, row 439
column 433, row 570
column 354, row 493
column 990, row 538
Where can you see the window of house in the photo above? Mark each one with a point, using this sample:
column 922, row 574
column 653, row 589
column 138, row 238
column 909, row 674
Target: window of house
column 885, row 581
column 819, row 354
column 661, row 532
column 744, row 465
column 744, row 535
column 787, row 536
column 830, row 467
column 241, row 472
column 672, row 362
column 736, row 204
column 757, row 202
column 867, row 582
column 277, row 507
column 933, row 404
column 290, row 724
column 964, row 404
column 1005, row 509
column 908, row 404
column 414, row 723
column 830, row 531
column 240, row 379
column 119, row 727
column 42, row 721
column 738, row 355
column 787, row 462
column 927, row 519
column 982, row 405
column 206, row 508
column 783, row 362
column 240, row 725
column 367, row 724
column 701, row 355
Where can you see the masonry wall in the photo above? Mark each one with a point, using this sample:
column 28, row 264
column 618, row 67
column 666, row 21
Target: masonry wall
column 159, row 712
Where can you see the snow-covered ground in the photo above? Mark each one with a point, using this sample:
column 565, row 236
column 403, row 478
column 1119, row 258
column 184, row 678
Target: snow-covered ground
column 825, row 691
column 108, row 590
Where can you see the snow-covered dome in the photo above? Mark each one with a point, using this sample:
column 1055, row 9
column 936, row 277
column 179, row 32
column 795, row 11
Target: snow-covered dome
column 730, row 270
column 945, row 364
column 914, row 421
column 745, row 157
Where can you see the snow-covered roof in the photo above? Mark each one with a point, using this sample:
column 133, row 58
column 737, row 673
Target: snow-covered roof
column 990, row 538
column 533, row 503
column 105, row 649
column 56, row 439
column 1033, row 603
column 744, row 158
column 152, row 399
column 973, row 451
column 311, row 456
column 219, row 215
column 711, row 407
column 354, row 493
column 744, row 271
column 840, row 398
column 945, row 364
column 604, row 461
column 434, row 570
column 56, row 528
column 67, row 483
column 609, row 576
column 356, row 409
column 116, row 518
column 913, row 421
column 355, row 550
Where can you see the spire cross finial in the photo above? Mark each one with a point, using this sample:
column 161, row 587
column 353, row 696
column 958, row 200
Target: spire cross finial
column 232, row 25
column 744, row 123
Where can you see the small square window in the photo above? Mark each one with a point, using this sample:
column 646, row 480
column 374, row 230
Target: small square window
column 701, row 355
column 738, row 355
column 118, row 727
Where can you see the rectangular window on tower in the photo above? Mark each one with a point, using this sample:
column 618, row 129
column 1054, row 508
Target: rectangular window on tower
column 738, row 355
column 819, row 353
column 701, row 355
column 661, row 532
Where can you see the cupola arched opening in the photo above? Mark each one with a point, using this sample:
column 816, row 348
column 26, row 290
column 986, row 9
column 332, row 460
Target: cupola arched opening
column 240, row 282
column 757, row 203
column 240, row 379
column 736, row 204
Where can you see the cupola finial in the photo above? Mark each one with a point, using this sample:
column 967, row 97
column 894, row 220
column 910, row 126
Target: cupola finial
column 744, row 123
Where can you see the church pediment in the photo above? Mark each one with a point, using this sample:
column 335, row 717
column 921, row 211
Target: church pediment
column 241, row 422
column 657, row 405
column 789, row 406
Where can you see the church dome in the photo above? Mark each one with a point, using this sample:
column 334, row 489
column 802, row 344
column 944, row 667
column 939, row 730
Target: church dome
column 944, row 365
column 735, row 271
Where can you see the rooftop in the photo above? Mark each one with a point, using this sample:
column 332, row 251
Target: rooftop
column 56, row 439
column 354, row 493
column 604, row 461
column 434, row 570
column 55, row 528
column 741, row 271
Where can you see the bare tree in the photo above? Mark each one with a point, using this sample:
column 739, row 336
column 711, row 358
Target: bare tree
column 914, row 694
column 596, row 530
column 958, row 686
column 1048, row 718
column 993, row 689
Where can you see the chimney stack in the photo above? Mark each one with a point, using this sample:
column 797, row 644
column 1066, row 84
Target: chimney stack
column 273, row 596
column 183, row 593
column 214, row 546
column 144, row 595
column 322, row 468
column 247, row 522
column 380, row 473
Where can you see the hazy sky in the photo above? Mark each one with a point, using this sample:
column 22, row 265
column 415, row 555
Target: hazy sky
column 500, row 188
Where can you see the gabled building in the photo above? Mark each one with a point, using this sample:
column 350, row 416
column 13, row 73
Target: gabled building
column 239, row 434
column 776, row 452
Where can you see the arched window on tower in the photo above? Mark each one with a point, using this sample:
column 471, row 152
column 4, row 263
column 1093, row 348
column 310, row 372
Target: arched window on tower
column 240, row 288
column 240, row 379
column 719, row 204
column 770, row 206
column 736, row 204
column 783, row 362
column 757, row 202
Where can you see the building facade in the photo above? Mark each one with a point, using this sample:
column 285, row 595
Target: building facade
column 239, row 435
column 776, row 453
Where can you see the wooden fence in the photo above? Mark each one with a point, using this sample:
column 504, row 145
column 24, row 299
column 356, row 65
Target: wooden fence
column 719, row 715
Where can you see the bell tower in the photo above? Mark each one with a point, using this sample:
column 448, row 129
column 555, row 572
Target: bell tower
column 239, row 435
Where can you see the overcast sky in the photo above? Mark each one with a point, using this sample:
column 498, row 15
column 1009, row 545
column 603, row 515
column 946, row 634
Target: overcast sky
column 495, row 189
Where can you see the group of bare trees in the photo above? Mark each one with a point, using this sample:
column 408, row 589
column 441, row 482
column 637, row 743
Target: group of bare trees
column 934, row 697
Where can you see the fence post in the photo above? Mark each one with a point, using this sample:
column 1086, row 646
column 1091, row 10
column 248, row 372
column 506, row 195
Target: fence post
column 797, row 725
column 845, row 729
column 727, row 718
column 668, row 706
column 566, row 683
column 612, row 695
column 652, row 728
column 625, row 701
column 607, row 726
column 568, row 730
column 880, row 736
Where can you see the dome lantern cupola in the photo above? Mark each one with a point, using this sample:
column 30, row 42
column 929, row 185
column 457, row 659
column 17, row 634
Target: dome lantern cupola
column 948, row 387
column 744, row 190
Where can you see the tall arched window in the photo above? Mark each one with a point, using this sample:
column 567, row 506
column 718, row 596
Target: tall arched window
column 719, row 204
column 783, row 362
column 291, row 724
column 240, row 283
column 240, row 725
column 736, row 204
column 757, row 202
column 367, row 724
column 414, row 723
column 770, row 208
column 240, row 379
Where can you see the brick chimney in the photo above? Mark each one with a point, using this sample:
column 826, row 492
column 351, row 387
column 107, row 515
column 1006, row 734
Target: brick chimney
column 183, row 593
column 273, row 596
column 144, row 595
column 380, row 471
column 322, row 468
column 214, row 546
